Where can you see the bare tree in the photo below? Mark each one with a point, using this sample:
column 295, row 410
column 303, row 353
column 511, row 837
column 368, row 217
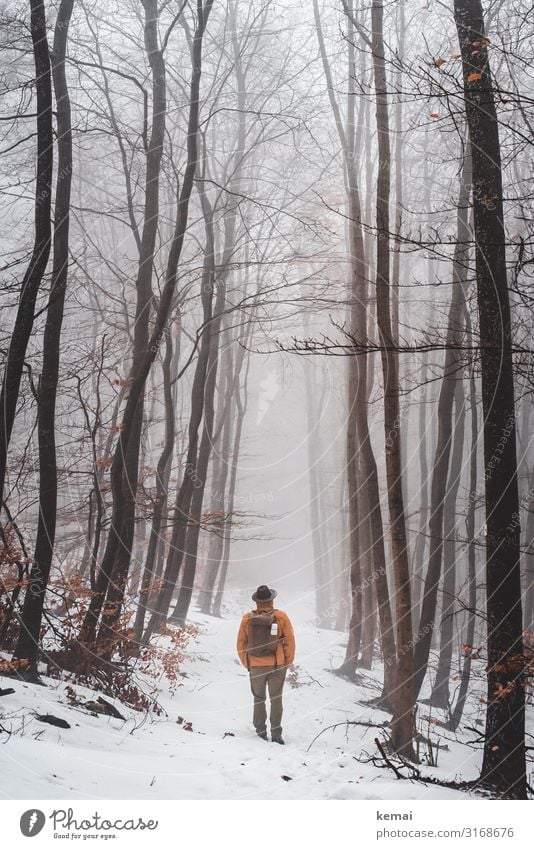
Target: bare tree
column 35, row 271
column 440, row 469
column 27, row 647
column 403, row 702
column 503, row 766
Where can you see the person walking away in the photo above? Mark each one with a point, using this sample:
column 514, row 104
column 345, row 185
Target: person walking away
column 266, row 647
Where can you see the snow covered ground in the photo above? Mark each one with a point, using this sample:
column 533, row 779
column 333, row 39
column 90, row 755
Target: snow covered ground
column 100, row 757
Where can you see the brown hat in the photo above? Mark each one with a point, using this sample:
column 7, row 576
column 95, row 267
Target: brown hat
column 263, row 593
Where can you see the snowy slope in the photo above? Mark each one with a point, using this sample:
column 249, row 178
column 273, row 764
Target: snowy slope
column 156, row 757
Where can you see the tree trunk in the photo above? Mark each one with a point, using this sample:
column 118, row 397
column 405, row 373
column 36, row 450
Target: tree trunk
column 402, row 724
column 241, row 407
column 118, row 551
column 357, row 406
column 440, row 470
column 218, row 493
column 32, row 613
column 456, row 714
column 317, row 517
column 503, row 767
column 224, row 493
column 124, row 469
column 369, row 611
column 350, row 662
column 185, row 491
column 201, row 472
column 529, row 566
column 420, row 543
column 162, row 480
column 41, row 247
column 440, row 691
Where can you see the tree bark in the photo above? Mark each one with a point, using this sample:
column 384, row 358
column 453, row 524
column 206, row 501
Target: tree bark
column 317, row 517
column 402, row 724
column 124, row 469
column 503, row 767
column 456, row 714
column 440, row 470
column 32, row 612
column 440, row 691
column 241, row 408
column 118, row 555
column 204, row 452
column 162, row 480
column 185, row 491
column 369, row 611
column 357, row 405
column 218, row 487
column 41, row 247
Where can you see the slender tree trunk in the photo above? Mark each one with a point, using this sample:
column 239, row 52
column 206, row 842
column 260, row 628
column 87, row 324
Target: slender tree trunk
column 440, row 691
column 402, row 724
column 218, row 502
column 224, row 494
column 96, row 498
column 41, row 247
column 139, row 378
column 399, row 194
column 124, row 469
column 201, row 472
column 503, row 767
column 185, row 491
column 456, row 715
column 343, row 588
column 357, row 406
column 420, row 543
column 369, row 611
column 529, row 566
column 316, row 514
column 241, row 408
column 350, row 662
column 424, row 443
column 460, row 271
column 32, row 613
column 162, row 480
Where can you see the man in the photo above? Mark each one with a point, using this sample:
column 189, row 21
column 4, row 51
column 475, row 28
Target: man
column 266, row 647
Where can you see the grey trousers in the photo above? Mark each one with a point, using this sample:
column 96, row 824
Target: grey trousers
column 271, row 678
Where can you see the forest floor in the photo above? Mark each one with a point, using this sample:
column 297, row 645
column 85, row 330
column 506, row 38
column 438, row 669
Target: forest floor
column 203, row 745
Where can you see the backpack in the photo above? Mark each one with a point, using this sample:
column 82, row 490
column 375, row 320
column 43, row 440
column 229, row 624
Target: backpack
column 261, row 643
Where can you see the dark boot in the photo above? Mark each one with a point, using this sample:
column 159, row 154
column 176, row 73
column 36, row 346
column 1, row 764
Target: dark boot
column 278, row 739
column 262, row 734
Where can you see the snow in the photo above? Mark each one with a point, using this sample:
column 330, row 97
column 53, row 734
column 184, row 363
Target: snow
column 151, row 757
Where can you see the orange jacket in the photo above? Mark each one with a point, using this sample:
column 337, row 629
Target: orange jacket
column 285, row 651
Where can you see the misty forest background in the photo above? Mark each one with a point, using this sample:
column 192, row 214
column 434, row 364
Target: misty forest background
column 267, row 317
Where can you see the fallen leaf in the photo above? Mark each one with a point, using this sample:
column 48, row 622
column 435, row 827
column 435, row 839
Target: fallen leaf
column 287, row 778
column 474, row 76
column 434, row 115
column 439, row 62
